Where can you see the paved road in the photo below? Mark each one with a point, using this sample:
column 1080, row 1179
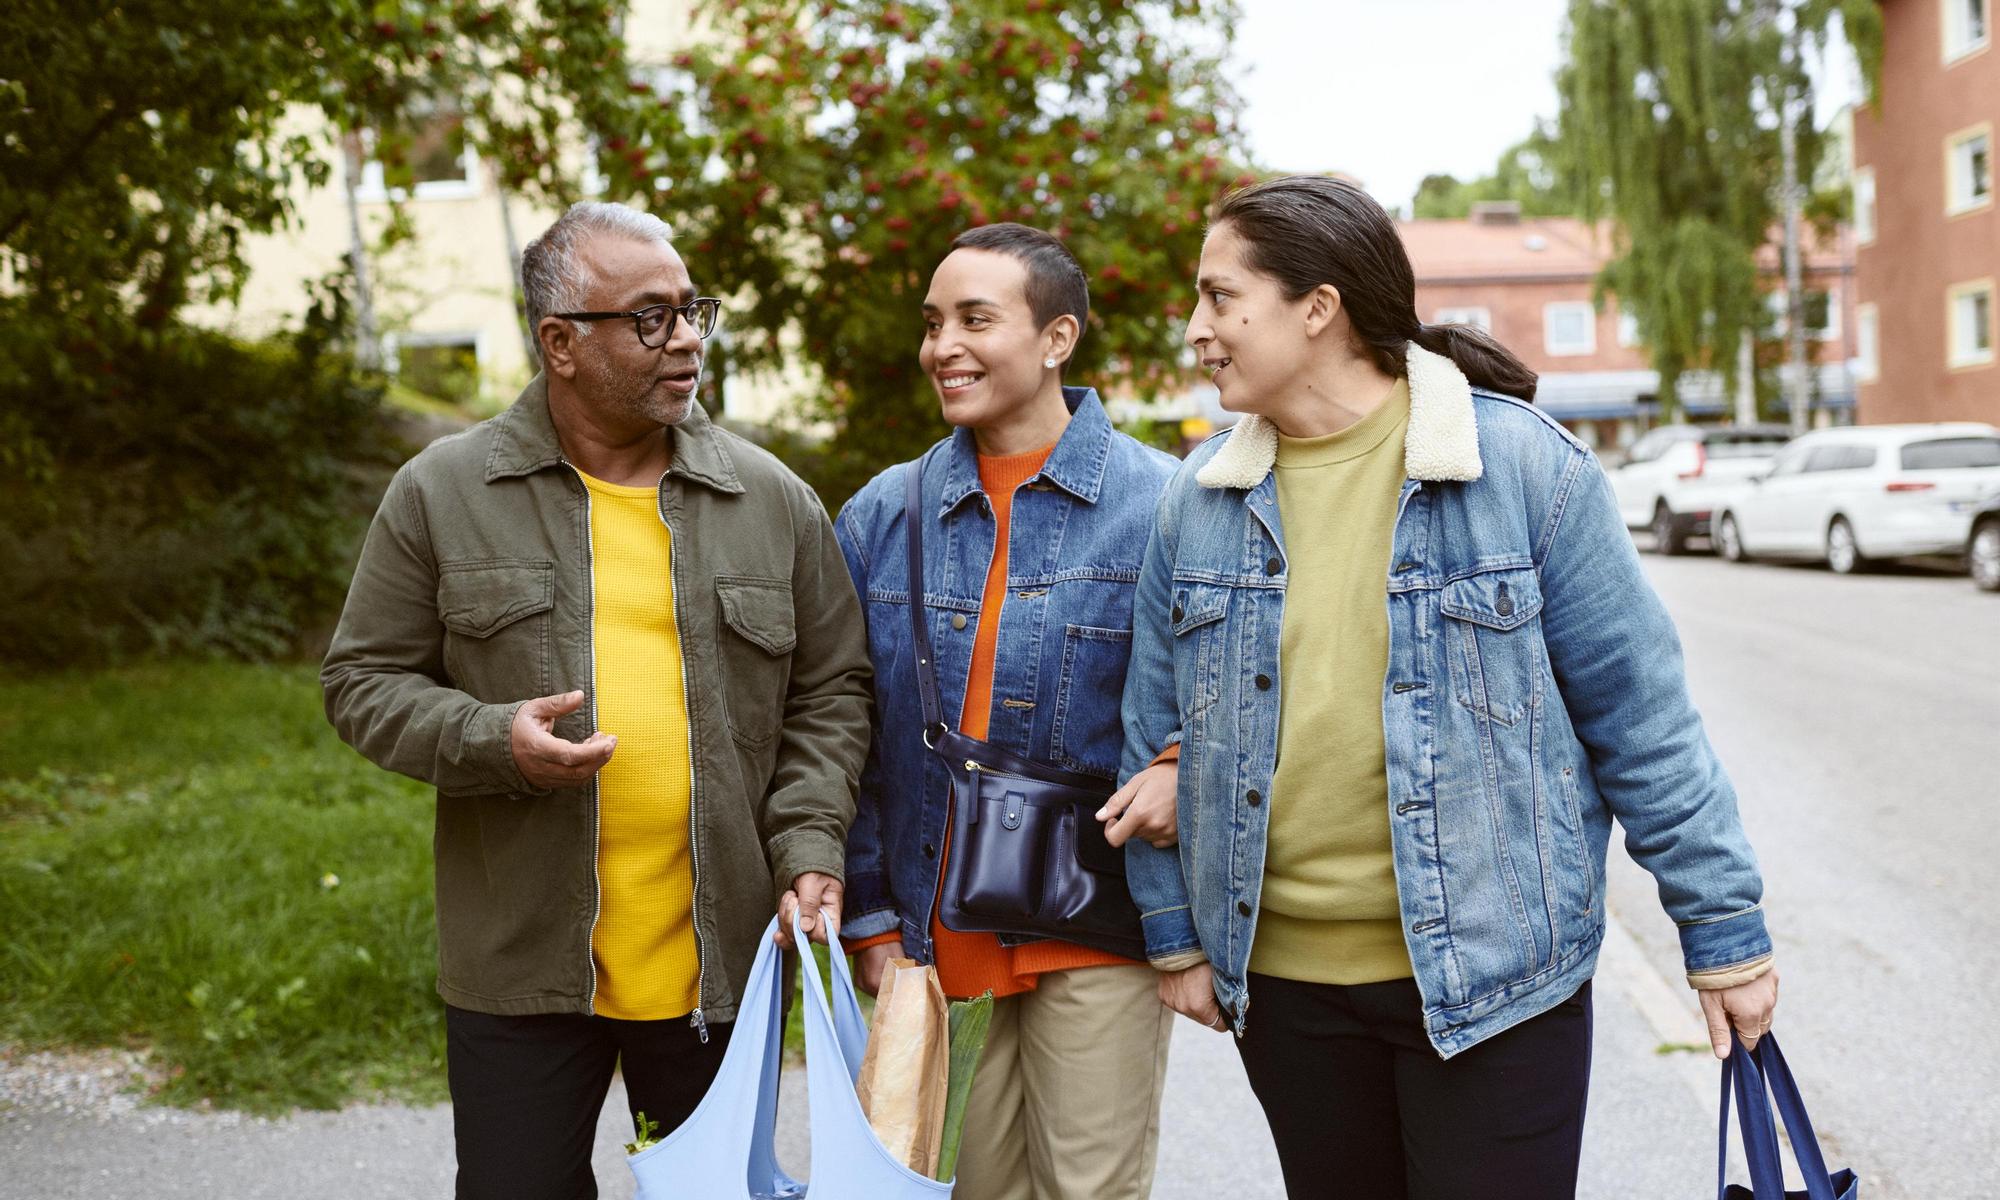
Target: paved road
column 1860, row 719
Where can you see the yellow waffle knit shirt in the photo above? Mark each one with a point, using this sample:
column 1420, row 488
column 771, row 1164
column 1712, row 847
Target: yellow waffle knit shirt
column 643, row 942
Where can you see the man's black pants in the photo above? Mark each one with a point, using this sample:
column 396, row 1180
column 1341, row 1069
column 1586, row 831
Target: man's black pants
column 1360, row 1104
column 526, row 1093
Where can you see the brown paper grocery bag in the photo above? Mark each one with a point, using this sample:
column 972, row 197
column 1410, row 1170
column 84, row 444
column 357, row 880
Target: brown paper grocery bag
column 902, row 1084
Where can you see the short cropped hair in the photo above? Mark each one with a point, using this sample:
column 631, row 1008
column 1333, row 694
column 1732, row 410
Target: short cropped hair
column 553, row 275
column 1056, row 284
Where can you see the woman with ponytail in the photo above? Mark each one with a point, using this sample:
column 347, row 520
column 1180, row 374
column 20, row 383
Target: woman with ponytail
column 1394, row 655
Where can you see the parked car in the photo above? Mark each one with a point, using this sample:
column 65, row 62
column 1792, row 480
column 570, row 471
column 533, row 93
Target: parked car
column 1846, row 496
column 1673, row 476
column 1982, row 548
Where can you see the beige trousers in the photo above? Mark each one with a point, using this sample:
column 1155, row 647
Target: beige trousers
column 1066, row 1105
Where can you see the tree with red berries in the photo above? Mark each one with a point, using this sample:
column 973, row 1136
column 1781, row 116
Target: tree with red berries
column 816, row 159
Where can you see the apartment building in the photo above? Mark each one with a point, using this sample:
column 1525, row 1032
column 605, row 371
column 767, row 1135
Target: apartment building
column 1925, row 222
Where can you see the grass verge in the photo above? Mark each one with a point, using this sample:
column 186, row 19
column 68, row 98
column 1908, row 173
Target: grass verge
column 191, row 861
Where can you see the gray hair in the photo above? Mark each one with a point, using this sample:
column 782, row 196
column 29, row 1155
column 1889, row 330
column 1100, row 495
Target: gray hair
column 553, row 275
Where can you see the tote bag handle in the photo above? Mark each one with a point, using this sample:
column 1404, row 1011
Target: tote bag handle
column 1756, row 1079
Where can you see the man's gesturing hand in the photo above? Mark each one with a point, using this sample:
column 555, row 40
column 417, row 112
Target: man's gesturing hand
column 811, row 891
column 547, row 761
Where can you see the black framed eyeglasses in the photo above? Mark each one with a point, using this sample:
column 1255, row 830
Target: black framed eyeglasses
column 655, row 322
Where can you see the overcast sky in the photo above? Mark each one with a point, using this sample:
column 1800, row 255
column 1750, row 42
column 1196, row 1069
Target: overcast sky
column 1390, row 91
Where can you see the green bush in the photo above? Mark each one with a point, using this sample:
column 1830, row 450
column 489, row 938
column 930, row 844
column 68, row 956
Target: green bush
column 180, row 491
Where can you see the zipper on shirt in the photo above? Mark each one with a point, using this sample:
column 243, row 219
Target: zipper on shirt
column 596, row 810
column 697, row 1020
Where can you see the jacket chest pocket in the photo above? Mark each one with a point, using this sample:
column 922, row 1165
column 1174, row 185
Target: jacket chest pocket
column 1493, row 627
column 758, row 633
column 1196, row 619
column 496, row 616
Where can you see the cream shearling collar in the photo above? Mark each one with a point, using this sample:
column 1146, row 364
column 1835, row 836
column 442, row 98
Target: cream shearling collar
column 1442, row 442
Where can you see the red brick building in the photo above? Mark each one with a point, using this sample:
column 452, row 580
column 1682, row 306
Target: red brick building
column 1925, row 218
column 1529, row 281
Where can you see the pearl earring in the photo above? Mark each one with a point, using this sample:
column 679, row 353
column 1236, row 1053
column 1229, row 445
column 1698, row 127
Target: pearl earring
column 1050, row 363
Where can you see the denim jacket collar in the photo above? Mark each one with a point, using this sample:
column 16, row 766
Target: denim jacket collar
column 1076, row 465
column 525, row 442
column 1442, row 444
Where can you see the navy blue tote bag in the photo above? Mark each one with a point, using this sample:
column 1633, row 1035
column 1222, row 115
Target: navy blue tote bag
column 1757, row 1080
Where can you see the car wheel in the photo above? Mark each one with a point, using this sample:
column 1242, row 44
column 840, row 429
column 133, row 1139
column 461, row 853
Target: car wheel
column 1985, row 555
column 1843, row 554
column 1667, row 537
column 1728, row 542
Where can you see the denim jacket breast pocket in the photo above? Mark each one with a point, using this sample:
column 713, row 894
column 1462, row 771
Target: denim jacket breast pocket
column 1200, row 637
column 1497, row 659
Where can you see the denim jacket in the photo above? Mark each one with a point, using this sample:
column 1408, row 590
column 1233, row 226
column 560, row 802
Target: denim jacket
column 1534, row 692
column 1076, row 532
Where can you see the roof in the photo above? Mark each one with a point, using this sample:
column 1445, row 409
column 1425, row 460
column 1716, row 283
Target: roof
column 1529, row 248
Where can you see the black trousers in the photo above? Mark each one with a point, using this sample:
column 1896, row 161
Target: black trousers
column 526, row 1093
column 1361, row 1106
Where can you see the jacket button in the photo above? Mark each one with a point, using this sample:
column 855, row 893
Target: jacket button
column 1178, row 614
column 958, row 620
column 1255, row 797
column 930, row 851
column 1243, row 907
column 1272, row 566
column 1263, row 683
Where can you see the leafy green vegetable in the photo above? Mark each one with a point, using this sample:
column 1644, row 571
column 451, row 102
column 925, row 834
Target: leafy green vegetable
column 970, row 1020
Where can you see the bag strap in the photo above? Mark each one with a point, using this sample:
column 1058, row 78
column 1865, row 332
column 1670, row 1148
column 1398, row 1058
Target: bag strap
column 927, row 686
column 1756, row 1079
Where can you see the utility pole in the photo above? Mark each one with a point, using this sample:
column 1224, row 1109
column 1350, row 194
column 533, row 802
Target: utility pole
column 1799, row 385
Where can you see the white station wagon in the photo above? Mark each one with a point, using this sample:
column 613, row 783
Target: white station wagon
column 1845, row 496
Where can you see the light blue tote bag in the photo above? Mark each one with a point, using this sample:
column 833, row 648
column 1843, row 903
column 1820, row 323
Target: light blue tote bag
column 725, row 1151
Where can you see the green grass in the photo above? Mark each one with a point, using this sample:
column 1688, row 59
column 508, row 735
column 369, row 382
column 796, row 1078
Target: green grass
column 169, row 837
column 169, row 840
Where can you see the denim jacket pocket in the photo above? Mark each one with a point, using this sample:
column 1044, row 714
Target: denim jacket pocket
column 1199, row 632
column 496, row 618
column 756, row 655
column 1088, row 735
column 1497, row 657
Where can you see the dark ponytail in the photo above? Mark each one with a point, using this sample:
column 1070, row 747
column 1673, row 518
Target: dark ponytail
column 1308, row 230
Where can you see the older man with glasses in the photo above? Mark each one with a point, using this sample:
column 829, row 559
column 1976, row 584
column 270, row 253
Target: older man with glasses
column 624, row 647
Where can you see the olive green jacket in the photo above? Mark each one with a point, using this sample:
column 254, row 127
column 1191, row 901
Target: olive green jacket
column 473, row 594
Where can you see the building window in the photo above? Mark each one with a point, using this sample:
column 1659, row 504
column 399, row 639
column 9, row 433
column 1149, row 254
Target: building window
column 1864, row 205
column 441, row 366
column 1867, row 343
column 1822, row 314
column 1969, row 324
column 1569, row 327
column 1968, row 169
column 436, row 161
column 1479, row 318
column 1965, row 27
column 1628, row 329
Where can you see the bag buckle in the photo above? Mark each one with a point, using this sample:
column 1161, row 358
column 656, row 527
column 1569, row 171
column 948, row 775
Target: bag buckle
column 1010, row 814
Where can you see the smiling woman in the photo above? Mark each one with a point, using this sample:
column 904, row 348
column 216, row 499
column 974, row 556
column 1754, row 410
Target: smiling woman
column 1032, row 516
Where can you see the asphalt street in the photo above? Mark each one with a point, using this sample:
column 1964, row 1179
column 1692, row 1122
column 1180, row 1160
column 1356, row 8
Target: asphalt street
column 1859, row 718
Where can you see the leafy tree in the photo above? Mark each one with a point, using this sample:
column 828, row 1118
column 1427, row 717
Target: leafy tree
column 1526, row 174
column 817, row 160
column 1670, row 128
